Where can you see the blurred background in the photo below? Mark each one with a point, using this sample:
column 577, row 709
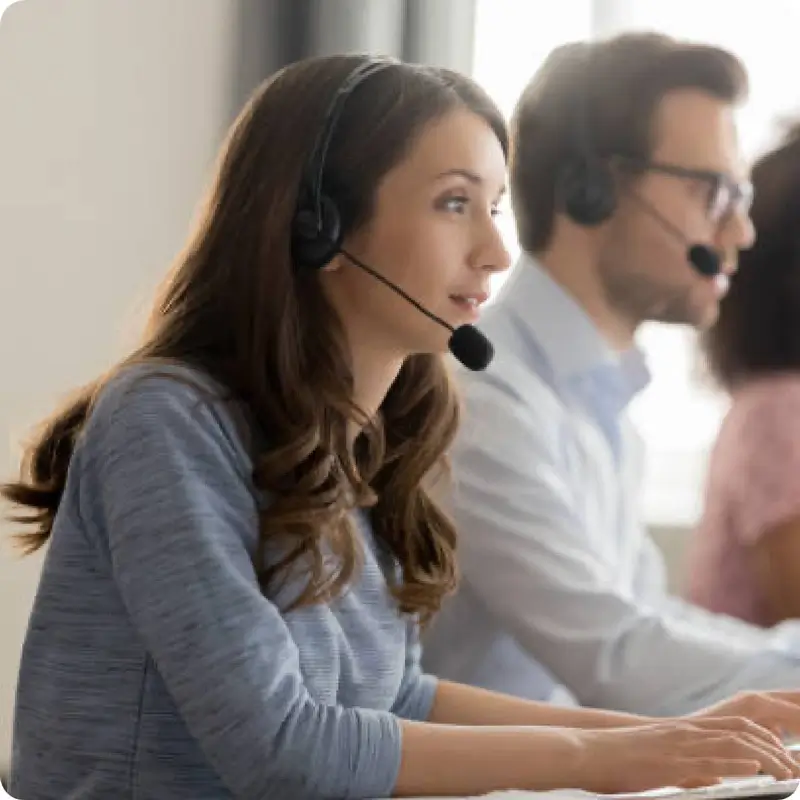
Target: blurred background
column 111, row 112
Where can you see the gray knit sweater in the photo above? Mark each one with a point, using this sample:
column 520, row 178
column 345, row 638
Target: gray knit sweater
column 155, row 669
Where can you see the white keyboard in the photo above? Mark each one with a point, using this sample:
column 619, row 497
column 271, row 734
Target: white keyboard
column 764, row 787
column 760, row 788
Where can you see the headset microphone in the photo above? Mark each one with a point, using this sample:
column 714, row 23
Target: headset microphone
column 318, row 230
column 467, row 344
column 704, row 259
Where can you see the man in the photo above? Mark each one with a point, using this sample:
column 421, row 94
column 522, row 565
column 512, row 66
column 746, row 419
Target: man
column 629, row 193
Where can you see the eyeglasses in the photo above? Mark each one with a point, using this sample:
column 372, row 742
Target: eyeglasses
column 726, row 196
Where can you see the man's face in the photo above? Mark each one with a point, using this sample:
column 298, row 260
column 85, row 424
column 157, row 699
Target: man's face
column 694, row 180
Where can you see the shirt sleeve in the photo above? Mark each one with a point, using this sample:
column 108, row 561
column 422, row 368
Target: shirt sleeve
column 418, row 689
column 767, row 461
column 549, row 577
column 179, row 510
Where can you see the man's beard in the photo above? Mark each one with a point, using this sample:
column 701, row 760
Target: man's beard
column 638, row 298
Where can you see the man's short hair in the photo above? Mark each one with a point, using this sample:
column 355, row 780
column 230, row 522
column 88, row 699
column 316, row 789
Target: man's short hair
column 612, row 87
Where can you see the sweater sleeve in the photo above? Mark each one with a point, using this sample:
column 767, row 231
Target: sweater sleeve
column 418, row 689
column 176, row 502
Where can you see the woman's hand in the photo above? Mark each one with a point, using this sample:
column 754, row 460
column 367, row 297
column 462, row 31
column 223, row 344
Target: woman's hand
column 681, row 753
column 777, row 711
column 456, row 760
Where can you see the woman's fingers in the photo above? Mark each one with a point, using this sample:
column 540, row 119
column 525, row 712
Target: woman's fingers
column 774, row 761
column 708, row 771
column 738, row 724
column 768, row 744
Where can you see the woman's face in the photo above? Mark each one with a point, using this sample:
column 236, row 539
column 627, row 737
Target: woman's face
column 433, row 234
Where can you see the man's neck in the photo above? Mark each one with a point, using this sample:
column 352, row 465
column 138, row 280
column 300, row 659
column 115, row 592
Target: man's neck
column 573, row 269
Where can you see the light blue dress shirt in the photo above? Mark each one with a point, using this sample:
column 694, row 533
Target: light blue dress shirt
column 562, row 586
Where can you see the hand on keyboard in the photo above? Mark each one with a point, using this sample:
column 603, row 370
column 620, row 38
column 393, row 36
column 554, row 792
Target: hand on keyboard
column 686, row 755
column 778, row 711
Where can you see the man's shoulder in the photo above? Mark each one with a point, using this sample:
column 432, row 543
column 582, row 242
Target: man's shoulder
column 515, row 383
column 509, row 408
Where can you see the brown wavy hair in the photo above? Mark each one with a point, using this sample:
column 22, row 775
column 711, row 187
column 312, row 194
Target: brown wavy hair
column 757, row 331
column 236, row 307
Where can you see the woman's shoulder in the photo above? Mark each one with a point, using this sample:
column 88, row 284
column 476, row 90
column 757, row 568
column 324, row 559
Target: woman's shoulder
column 177, row 398
column 768, row 399
column 148, row 382
column 762, row 422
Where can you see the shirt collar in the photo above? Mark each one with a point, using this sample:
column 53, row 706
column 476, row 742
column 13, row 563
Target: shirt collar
column 571, row 343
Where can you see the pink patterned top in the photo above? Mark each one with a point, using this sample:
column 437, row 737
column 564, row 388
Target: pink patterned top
column 753, row 485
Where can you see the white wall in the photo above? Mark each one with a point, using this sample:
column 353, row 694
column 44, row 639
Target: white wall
column 111, row 112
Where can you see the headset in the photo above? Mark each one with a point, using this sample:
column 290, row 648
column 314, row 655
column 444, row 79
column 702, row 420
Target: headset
column 586, row 189
column 317, row 230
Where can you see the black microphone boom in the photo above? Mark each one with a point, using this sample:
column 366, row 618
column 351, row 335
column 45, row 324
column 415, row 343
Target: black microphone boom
column 704, row 259
column 467, row 344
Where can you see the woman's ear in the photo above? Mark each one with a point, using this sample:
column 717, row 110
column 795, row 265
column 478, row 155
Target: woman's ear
column 334, row 264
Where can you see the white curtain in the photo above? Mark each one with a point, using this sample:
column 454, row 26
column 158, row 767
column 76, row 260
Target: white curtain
column 679, row 414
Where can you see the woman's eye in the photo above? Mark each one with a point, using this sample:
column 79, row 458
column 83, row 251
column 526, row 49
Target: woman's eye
column 456, row 204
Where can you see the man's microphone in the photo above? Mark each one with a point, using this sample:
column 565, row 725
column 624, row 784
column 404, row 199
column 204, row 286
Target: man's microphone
column 467, row 344
column 704, row 259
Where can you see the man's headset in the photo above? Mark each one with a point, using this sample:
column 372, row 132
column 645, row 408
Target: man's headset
column 586, row 188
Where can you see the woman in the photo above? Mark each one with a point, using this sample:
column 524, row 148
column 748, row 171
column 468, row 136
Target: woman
column 240, row 545
column 745, row 557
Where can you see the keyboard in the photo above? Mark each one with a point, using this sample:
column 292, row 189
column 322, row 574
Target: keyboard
column 762, row 787
column 756, row 788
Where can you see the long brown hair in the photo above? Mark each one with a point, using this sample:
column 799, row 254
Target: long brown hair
column 236, row 307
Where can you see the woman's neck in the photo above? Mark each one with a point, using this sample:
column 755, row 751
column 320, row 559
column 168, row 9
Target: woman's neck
column 373, row 376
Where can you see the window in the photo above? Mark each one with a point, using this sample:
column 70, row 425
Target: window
column 512, row 39
column 679, row 415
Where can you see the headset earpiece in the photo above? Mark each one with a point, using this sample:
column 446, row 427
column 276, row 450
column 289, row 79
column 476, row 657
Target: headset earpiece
column 587, row 191
column 316, row 233
column 317, row 229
